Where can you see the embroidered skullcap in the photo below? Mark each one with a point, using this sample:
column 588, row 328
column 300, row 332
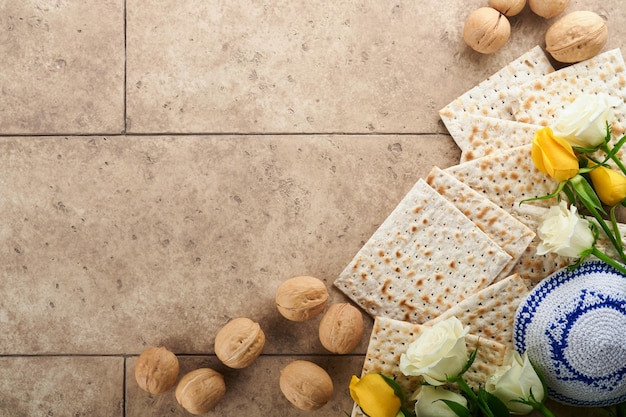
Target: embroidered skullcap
column 573, row 327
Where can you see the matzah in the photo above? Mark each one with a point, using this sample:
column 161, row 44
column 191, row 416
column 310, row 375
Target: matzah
column 506, row 177
column 479, row 136
column 506, row 231
column 495, row 96
column 425, row 257
column 490, row 312
column 541, row 100
column 390, row 338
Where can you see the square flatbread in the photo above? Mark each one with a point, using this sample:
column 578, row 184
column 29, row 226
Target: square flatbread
column 495, row 96
column 425, row 257
column 390, row 338
column 490, row 312
column 541, row 100
column 505, row 230
column 483, row 136
column 506, row 177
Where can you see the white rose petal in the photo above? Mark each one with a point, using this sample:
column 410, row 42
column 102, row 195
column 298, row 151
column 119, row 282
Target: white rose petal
column 438, row 353
column 583, row 123
column 514, row 381
column 429, row 405
column 564, row 232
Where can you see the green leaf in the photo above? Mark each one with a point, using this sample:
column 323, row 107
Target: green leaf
column 495, row 405
column 555, row 193
column 586, row 193
column 470, row 361
column 457, row 408
column 397, row 390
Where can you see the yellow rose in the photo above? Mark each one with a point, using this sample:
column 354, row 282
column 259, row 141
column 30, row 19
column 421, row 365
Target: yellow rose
column 610, row 185
column 554, row 155
column 374, row 395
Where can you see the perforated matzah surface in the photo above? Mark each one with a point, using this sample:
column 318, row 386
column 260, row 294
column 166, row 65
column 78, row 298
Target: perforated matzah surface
column 490, row 312
column 495, row 96
column 426, row 257
column 541, row 100
column 501, row 227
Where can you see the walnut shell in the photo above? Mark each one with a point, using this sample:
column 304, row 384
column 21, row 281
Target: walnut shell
column 508, row 7
column 156, row 370
column 199, row 391
column 239, row 343
column 341, row 328
column 548, row 8
column 486, row 30
column 306, row 385
column 576, row 36
column 301, row 298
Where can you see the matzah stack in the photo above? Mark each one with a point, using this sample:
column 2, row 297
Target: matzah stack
column 506, row 177
column 487, row 135
column 428, row 260
column 541, row 100
column 490, row 312
column 495, row 96
column 390, row 339
column 501, row 227
column 426, row 257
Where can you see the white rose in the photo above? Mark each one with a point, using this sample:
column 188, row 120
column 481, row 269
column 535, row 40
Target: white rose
column 514, row 381
column 583, row 124
column 564, row 232
column 428, row 404
column 438, row 353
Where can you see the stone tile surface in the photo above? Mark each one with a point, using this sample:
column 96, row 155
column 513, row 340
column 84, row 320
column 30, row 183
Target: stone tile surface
column 112, row 243
column 62, row 66
column 76, row 386
column 174, row 236
column 357, row 66
column 252, row 391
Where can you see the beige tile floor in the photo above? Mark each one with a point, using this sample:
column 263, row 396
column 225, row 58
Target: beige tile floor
column 165, row 165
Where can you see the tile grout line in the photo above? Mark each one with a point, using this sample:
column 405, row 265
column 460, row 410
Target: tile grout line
column 124, row 370
column 125, row 129
column 183, row 134
column 124, row 89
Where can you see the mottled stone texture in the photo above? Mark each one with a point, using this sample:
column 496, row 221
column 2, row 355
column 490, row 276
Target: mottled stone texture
column 113, row 244
column 252, row 391
column 62, row 66
column 73, row 386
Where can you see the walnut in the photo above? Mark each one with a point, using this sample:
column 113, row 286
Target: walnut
column 301, row 298
column 486, row 30
column 548, row 8
column 576, row 36
column 239, row 343
column 341, row 328
column 156, row 370
column 306, row 385
column 199, row 391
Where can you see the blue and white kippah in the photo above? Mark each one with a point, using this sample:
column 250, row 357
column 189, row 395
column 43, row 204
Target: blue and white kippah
column 573, row 327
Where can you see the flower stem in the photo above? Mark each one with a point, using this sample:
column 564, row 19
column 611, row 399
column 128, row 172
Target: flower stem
column 607, row 230
column 544, row 410
column 473, row 398
column 602, row 256
column 613, row 156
